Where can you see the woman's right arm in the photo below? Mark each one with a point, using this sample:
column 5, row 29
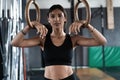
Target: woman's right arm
column 20, row 41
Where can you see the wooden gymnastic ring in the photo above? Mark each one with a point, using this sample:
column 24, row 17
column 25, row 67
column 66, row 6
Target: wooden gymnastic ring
column 27, row 15
column 88, row 11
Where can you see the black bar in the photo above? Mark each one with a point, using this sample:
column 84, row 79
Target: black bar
column 102, row 30
column 72, row 10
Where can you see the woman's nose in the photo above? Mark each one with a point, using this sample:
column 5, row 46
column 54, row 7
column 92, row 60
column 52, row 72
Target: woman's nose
column 57, row 18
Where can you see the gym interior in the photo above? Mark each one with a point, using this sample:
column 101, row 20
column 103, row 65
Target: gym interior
column 89, row 63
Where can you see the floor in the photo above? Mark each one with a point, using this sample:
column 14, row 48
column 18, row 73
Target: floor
column 84, row 74
column 93, row 74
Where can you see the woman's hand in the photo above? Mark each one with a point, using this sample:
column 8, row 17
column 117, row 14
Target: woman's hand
column 41, row 29
column 75, row 26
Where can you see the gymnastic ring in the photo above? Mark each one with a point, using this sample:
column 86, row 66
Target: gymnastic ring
column 27, row 15
column 88, row 11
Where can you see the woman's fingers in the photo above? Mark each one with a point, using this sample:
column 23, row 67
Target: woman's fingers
column 44, row 32
column 41, row 29
column 75, row 27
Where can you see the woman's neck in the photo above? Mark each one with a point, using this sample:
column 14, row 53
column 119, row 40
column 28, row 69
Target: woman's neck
column 58, row 33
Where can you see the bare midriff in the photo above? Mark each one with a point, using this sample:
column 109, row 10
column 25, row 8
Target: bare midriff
column 57, row 72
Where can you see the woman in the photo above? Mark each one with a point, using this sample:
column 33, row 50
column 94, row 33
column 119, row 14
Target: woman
column 58, row 45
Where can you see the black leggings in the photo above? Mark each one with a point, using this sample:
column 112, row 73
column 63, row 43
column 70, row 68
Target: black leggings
column 71, row 77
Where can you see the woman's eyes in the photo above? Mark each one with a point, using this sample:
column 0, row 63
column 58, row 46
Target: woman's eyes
column 59, row 15
column 53, row 16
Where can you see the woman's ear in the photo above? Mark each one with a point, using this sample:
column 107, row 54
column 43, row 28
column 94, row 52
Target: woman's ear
column 65, row 20
column 48, row 20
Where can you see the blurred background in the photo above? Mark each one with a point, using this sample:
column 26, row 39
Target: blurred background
column 28, row 64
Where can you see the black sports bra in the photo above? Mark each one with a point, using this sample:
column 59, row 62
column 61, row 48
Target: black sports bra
column 58, row 55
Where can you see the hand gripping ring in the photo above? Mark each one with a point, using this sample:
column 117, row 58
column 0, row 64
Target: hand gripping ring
column 88, row 11
column 27, row 15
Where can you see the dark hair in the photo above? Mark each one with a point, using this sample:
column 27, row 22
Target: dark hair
column 57, row 6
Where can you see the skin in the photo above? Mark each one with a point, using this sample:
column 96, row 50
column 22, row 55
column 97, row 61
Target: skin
column 57, row 19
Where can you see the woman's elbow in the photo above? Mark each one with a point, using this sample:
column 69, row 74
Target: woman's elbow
column 14, row 43
column 103, row 42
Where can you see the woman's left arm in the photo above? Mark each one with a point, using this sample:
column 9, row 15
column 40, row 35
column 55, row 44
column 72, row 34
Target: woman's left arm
column 97, row 36
column 96, row 39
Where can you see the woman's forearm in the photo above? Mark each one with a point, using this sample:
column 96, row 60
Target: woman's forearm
column 20, row 36
column 97, row 35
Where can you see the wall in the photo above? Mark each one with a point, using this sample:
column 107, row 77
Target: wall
column 66, row 3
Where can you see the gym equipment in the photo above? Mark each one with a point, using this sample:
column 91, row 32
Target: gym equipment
column 10, row 25
column 27, row 16
column 88, row 11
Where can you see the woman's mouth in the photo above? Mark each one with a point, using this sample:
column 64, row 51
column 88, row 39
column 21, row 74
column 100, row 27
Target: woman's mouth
column 56, row 24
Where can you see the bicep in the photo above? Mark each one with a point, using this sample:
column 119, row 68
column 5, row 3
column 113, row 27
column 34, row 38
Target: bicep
column 83, row 41
column 30, row 42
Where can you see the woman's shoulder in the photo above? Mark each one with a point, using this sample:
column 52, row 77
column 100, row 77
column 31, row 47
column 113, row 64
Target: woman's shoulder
column 76, row 38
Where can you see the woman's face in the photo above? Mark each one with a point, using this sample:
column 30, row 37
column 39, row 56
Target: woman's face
column 56, row 18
